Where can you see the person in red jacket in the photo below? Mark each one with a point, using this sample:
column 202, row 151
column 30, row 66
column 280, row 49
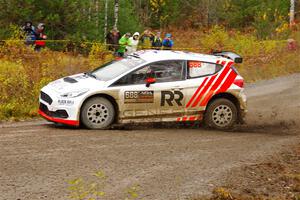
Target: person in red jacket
column 40, row 37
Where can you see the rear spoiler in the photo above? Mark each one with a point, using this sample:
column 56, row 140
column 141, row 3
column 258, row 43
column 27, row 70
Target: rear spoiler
column 230, row 55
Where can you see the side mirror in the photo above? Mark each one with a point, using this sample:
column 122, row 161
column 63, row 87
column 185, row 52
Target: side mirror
column 150, row 81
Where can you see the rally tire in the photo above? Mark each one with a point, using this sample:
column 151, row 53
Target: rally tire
column 97, row 113
column 221, row 114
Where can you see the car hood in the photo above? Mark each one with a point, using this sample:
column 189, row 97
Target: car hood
column 75, row 83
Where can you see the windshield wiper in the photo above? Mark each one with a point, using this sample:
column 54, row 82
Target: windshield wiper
column 134, row 55
column 91, row 75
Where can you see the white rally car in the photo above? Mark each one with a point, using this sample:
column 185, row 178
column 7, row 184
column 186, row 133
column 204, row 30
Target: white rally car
column 150, row 86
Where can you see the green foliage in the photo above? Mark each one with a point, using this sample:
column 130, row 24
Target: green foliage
column 84, row 20
column 23, row 72
column 262, row 59
column 245, row 44
column 93, row 189
column 163, row 12
column 80, row 189
column 15, row 90
column 239, row 13
column 98, row 52
column 132, row 192
column 266, row 17
column 68, row 19
column 128, row 20
column 271, row 19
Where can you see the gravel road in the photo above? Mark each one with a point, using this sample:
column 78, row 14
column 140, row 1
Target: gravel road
column 166, row 162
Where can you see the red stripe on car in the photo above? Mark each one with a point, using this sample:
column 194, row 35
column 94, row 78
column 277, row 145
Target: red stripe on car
column 197, row 91
column 216, row 84
column 228, row 82
column 192, row 118
column 212, row 78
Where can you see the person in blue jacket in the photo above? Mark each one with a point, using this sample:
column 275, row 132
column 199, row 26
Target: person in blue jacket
column 28, row 33
column 168, row 43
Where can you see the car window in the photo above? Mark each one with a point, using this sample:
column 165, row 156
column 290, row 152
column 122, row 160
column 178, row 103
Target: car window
column 198, row 68
column 164, row 71
column 115, row 68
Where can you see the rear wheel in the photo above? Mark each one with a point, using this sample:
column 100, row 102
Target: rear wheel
column 97, row 113
column 221, row 114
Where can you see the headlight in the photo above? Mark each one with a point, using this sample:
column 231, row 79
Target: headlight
column 75, row 93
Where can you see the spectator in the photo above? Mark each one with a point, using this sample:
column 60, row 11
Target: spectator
column 157, row 41
column 168, row 42
column 112, row 39
column 29, row 33
column 123, row 42
column 40, row 37
column 146, row 39
column 134, row 40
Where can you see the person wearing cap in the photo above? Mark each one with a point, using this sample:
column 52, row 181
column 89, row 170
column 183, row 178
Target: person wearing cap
column 168, row 43
column 112, row 39
column 157, row 42
column 40, row 37
column 146, row 39
column 134, row 41
column 123, row 42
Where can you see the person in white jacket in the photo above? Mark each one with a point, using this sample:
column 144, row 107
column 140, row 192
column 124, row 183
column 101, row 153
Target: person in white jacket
column 134, row 41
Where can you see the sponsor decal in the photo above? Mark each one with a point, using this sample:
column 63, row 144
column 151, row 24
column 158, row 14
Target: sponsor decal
column 139, row 96
column 65, row 102
column 194, row 64
column 168, row 97
column 213, row 85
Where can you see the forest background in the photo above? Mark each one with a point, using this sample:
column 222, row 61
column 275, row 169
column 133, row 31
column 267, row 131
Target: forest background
column 85, row 19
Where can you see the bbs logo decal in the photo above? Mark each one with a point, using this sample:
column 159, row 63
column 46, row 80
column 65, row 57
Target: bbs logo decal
column 171, row 96
column 138, row 96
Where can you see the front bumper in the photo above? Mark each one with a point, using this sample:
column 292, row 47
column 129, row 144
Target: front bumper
column 58, row 120
column 57, row 109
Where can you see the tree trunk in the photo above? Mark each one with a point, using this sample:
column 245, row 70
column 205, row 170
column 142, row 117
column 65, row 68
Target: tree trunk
column 105, row 20
column 97, row 17
column 292, row 12
column 116, row 13
column 90, row 11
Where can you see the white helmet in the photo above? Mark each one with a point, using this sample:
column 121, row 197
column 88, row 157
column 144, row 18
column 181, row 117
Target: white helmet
column 136, row 34
column 41, row 26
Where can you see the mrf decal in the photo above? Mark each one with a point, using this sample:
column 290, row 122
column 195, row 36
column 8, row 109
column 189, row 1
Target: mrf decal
column 171, row 98
column 138, row 96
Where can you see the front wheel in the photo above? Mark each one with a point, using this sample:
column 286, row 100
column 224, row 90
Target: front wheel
column 97, row 113
column 221, row 114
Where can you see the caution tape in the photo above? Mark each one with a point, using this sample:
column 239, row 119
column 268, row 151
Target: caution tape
column 140, row 47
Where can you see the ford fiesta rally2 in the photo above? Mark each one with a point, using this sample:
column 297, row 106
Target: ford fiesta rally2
column 150, row 86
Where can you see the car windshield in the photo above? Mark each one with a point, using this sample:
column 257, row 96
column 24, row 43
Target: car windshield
column 113, row 69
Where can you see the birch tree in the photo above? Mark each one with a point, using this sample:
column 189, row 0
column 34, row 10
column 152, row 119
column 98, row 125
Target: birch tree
column 105, row 19
column 116, row 13
column 292, row 12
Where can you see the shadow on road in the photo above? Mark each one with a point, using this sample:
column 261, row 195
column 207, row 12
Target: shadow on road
column 276, row 128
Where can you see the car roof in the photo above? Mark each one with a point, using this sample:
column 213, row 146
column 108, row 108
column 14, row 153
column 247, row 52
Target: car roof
column 159, row 55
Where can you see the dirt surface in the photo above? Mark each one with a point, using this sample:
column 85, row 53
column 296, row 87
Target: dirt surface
column 277, row 177
column 37, row 158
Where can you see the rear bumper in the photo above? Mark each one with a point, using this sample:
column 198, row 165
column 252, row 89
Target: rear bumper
column 58, row 120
